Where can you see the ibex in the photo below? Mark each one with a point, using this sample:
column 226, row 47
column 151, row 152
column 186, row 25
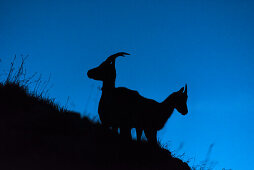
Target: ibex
column 125, row 109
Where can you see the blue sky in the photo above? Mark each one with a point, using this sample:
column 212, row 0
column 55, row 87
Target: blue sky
column 206, row 44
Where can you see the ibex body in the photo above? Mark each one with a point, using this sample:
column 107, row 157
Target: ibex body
column 125, row 109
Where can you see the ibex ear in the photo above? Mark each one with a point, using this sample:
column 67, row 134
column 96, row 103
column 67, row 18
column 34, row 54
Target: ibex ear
column 181, row 90
column 185, row 91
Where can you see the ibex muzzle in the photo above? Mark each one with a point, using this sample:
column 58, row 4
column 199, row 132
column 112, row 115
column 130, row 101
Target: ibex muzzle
column 104, row 72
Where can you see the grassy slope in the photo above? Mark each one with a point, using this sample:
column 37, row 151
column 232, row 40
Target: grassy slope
column 36, row 134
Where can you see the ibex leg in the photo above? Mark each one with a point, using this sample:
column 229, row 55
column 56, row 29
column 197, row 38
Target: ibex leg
column 139, row 134
column 151, row 135
column 125, row 132
column 115, row 130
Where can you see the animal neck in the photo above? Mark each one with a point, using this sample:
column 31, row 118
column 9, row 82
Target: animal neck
column 108, row 85
column 167, row 108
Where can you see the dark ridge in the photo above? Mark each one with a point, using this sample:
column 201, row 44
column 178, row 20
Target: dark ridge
column 38, row 134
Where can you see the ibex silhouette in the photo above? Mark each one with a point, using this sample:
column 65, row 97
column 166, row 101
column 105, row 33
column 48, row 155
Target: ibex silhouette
column 125, row 109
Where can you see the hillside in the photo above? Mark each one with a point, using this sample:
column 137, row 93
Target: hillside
column 37, row 134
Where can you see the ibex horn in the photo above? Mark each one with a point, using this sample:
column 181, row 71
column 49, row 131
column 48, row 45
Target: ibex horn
column 119, row 54
column 114, row 56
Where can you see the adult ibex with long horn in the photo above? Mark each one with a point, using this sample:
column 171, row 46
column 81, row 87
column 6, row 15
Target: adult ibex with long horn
column 125, row 109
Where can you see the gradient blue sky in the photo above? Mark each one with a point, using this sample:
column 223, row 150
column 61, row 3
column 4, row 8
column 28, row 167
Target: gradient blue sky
column 207, row 44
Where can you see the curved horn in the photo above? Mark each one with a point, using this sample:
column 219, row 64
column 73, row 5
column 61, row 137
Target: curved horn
column 114, row 56
column 120, row 54
column 185, row 91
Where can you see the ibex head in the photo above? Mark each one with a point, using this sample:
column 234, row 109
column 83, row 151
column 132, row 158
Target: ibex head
column 181, row 100
column 106, row 71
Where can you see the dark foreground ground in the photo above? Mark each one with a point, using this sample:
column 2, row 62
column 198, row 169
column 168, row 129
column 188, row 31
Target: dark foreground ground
column 36, row 134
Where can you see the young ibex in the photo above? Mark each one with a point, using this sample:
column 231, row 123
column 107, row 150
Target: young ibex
column 125, row 109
